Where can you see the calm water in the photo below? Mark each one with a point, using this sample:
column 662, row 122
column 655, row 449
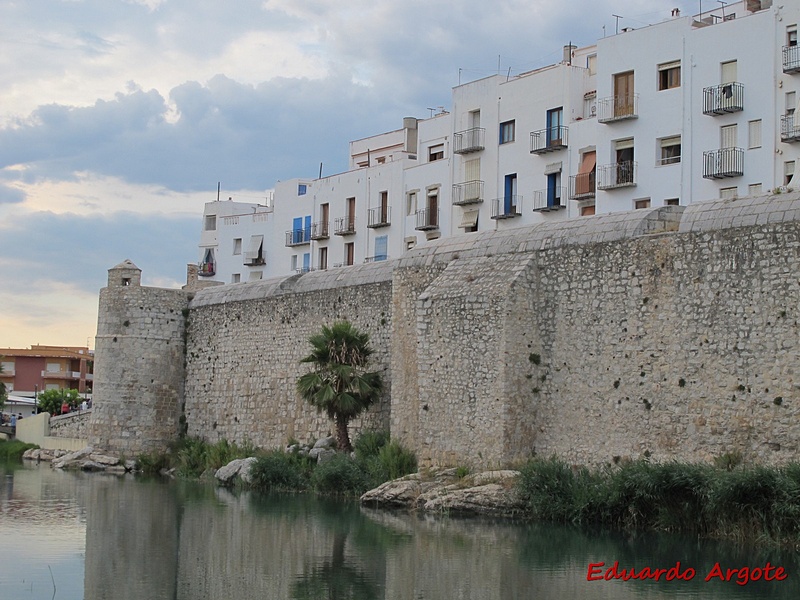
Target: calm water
column 71, row 535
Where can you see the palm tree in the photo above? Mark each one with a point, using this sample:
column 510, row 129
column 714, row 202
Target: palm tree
column 340, row 384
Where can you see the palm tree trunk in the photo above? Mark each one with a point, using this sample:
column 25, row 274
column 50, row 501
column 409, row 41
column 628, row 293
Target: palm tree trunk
column 342, row 436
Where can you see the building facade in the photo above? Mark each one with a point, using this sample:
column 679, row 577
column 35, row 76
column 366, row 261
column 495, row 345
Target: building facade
column 39, row 368
column 692, row 108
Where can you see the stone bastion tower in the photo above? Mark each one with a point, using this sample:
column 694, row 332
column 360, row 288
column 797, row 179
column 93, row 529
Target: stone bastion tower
column 139, row 358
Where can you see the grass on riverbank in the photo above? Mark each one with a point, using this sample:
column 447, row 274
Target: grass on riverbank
column 746, row 503
column 376, row 460
column 14, row 449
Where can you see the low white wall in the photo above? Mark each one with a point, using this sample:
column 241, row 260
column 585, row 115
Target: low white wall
column 36, row 430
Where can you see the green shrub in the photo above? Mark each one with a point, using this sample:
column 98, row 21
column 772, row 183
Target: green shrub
column 281, row 471
column 14, row 449
column 547, row 486
column 153, row 463
column 369, row 443
column 340, row 475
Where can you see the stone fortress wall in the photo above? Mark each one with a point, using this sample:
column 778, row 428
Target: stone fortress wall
column 670, row 333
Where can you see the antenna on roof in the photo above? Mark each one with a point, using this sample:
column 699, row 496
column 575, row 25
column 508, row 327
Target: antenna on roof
column 616, row 24
column 218, row 191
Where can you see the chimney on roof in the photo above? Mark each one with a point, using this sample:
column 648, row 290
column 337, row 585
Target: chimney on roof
column 676, row 12
column 567, row 57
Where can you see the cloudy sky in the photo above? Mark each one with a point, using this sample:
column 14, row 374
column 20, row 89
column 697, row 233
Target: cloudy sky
column 119, row 117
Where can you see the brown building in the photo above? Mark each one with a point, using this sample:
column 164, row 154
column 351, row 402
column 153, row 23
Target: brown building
column 40, row 368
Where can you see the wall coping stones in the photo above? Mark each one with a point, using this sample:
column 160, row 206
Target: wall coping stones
column 711, row 215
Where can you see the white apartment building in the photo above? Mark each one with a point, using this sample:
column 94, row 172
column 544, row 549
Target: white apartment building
column 692, row 108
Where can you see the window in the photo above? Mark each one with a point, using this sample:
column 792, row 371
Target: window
column 306, row 262
column 591, row 63
column 384, row 196
column 469, row 221
column 669, row 75
column 211, row 223
column 302, row 189
column 728, row 135
column 791, row 35
column 510, row 195
column 433, row 208
column 436, row 152
column 625, row 165
column 349, row 253
column 380, row 160
column 728, row 193
column 52, row 386
column 728, row 71
column 381, row 247
column 788, row 172
column 323, row 258
column 590, row 105
column 554, row 189
column 555, row 122
column 236, row 278
column 237, row 246
column 670, row 149
column 411, row 203
column 672, row 202
column 754, row 134
column 754, row 189
column 587, row 211
column 507, row 132
column 791, row 102
column 53, row 367
column 293, row 263
column 641, row 203
column 624, row 104
column 255, row 276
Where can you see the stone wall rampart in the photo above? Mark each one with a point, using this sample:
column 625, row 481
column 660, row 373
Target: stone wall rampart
column 670, row 333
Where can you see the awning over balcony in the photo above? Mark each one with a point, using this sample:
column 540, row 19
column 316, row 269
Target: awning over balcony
column 254, row 248
column 469, row 218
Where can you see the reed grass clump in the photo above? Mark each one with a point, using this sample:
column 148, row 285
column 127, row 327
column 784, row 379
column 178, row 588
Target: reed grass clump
column 14, row 449
column 745, row 502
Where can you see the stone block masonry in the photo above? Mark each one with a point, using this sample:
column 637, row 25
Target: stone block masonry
column 670, row 333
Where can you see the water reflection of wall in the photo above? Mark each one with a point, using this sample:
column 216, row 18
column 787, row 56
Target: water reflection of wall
column 131, row 540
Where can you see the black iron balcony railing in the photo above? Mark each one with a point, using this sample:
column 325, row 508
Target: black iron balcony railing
column 549, row 140
column 470, row 140
column 507, row 207
column 298, row 237
column 791, row 59
column 427, row 219
column 582, row 186
column 379, row 217
column 206, row 269
column 616, row 175
column 469, row 192
column 722, row 163
column 618, row 108
column 722, row 99
column 789, row 132
column 320, row 231
column 549, row 199
column 344, row 225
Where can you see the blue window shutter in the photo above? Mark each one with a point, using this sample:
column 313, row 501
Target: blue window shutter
column 307, row 229
column 297, row 230
column 306, row 261
column 381, row 247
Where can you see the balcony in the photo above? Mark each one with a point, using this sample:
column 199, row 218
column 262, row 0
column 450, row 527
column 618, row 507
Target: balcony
column 549, row 140
column 722, row 163
column 298, row 237
column 617, row 108
column 344, row 226
column 789, row 132
column 320, row 231
column 507, row 207
column 723, row 99
column 71, row 375
column 379, row 217
column 582, row 186
column 376, row 258
column 206, row 269
column 427, row 219
column 549, row 199
column 469, row 140
column 791, row 59
column 617, row 175
column 469, row 192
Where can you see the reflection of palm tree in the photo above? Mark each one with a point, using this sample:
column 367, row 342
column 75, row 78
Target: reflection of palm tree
column 335, row 579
